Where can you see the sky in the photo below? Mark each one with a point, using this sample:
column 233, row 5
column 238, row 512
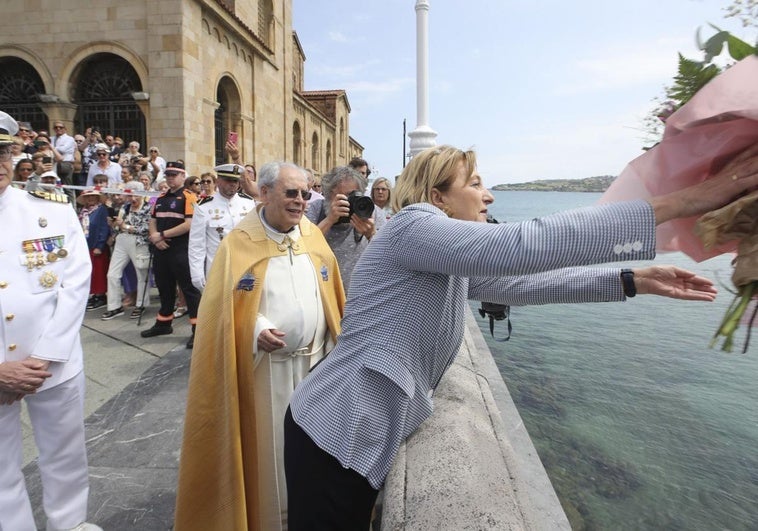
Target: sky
column 541, row 89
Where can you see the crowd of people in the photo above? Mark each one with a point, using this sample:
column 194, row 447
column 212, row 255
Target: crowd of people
column 276, row 271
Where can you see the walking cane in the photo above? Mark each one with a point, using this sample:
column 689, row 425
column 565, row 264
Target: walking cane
column 147, row 281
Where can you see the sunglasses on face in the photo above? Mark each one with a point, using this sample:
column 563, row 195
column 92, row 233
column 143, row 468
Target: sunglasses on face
column 292, row 193
column 206, row 181
column 59, row 127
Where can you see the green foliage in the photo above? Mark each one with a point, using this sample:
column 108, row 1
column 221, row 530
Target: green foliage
column 691, row 77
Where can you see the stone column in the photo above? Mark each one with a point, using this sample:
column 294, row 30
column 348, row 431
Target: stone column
column 423, row 136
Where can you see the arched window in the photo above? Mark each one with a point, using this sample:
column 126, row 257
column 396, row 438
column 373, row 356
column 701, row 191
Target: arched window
column 19, row 92
column 103, row 93
column 329, row 162
column 226, row 117
column 315, row 153
column 297, row 141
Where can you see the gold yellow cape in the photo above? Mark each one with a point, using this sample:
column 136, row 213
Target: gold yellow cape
column 218, row 466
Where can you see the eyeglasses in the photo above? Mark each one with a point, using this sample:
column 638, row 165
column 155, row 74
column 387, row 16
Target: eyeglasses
column 196, row 183
column 23, row 169
column 59, row 127
column 317, row 187
column 5, row 154
column 381, row 189
column 23, row 130
column 292, row 193
column 206, row 181
column 153, row 151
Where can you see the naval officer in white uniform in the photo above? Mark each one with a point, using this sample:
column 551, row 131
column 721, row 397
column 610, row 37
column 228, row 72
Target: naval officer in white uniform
column 44, row 284
column 214, row 217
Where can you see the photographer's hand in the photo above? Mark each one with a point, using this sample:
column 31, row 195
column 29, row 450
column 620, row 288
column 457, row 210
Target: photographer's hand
column 338, row 208
column 364, row 227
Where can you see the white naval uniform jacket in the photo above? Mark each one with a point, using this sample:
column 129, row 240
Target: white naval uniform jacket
column 404, row 317
column 213, row 219
column 42, row 308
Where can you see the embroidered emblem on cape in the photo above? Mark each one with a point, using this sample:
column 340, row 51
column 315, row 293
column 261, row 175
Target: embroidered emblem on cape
column 247, row 282
column 48, row 279
column 324, row 273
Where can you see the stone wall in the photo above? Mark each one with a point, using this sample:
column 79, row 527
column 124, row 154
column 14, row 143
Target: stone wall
column 472, row 464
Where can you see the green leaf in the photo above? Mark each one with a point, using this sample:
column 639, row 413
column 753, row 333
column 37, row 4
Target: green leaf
column 738, row 48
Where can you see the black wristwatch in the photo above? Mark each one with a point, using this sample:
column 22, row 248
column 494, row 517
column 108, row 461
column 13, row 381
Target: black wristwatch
column 627, row 282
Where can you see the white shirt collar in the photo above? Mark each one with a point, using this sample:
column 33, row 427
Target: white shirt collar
column 278, row 237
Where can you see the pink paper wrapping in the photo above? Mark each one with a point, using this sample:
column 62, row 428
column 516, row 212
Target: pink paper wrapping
column 718, row 122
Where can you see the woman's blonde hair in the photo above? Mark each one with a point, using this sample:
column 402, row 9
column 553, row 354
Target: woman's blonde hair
column 432, row 168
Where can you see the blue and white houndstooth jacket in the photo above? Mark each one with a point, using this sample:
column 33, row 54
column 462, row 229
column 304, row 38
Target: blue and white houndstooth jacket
column 404, row 317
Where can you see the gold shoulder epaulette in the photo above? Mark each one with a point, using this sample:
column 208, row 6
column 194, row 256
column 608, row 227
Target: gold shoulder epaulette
column 50, row 196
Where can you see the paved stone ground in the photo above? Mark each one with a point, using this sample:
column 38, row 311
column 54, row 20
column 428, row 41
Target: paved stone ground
column 136, row 394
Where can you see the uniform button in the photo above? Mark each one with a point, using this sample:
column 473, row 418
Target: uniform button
column 618, row 249
column 3, row 284
column 12, row 346
column 9, row 317
column 627, row 247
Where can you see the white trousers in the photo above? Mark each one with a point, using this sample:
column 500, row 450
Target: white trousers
column 124, row 250
column 57, row 416
column 276, row 376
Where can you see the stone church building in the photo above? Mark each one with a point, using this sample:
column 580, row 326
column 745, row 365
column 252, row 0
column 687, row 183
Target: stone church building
column 179, row 74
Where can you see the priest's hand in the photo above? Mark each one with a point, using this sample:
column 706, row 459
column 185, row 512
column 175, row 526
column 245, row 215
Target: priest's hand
column 270, row 340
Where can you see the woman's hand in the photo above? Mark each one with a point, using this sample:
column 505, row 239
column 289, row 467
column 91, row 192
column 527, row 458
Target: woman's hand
column 738, row 176
column 674, row 282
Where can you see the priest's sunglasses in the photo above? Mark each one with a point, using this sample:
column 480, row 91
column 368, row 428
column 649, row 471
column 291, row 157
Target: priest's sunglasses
column 292, row 193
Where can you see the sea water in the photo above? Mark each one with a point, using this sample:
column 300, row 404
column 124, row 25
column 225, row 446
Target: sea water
column 638, row 423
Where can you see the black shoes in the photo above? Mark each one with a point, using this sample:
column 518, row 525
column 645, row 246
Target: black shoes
column 110, row 314
column 95, row 302
column 137, row 312
column 160, row 328
column 191, row 340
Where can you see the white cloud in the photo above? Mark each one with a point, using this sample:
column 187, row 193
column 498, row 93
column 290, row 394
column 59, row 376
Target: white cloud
column 337, row 36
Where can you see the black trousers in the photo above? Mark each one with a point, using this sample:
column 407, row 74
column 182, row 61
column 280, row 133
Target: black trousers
column 321, row 494
column 171, row 267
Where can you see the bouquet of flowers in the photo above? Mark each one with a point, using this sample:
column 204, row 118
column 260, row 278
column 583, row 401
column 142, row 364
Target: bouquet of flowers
column 736, row 221
column 714, row 126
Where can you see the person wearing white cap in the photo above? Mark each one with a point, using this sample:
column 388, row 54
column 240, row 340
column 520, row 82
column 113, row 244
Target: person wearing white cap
column 44, row 282
column 105, row 166
column 215, row 216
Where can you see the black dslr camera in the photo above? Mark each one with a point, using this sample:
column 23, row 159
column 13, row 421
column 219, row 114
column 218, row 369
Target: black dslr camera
column 361, row 205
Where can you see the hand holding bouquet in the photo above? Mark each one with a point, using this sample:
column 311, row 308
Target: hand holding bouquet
column 737, row 221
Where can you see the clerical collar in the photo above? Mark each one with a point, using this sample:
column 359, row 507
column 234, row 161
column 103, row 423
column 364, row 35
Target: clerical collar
column 278, row 237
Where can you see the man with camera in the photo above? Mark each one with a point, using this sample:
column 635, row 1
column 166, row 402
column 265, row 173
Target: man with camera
column 347, row 218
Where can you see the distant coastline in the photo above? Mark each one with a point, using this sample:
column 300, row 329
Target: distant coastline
column 588, row 184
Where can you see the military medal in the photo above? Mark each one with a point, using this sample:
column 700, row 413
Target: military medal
column 48, row 279
column 42, row 222
column 47, row 243
column 220, row 231
column 63, row 253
